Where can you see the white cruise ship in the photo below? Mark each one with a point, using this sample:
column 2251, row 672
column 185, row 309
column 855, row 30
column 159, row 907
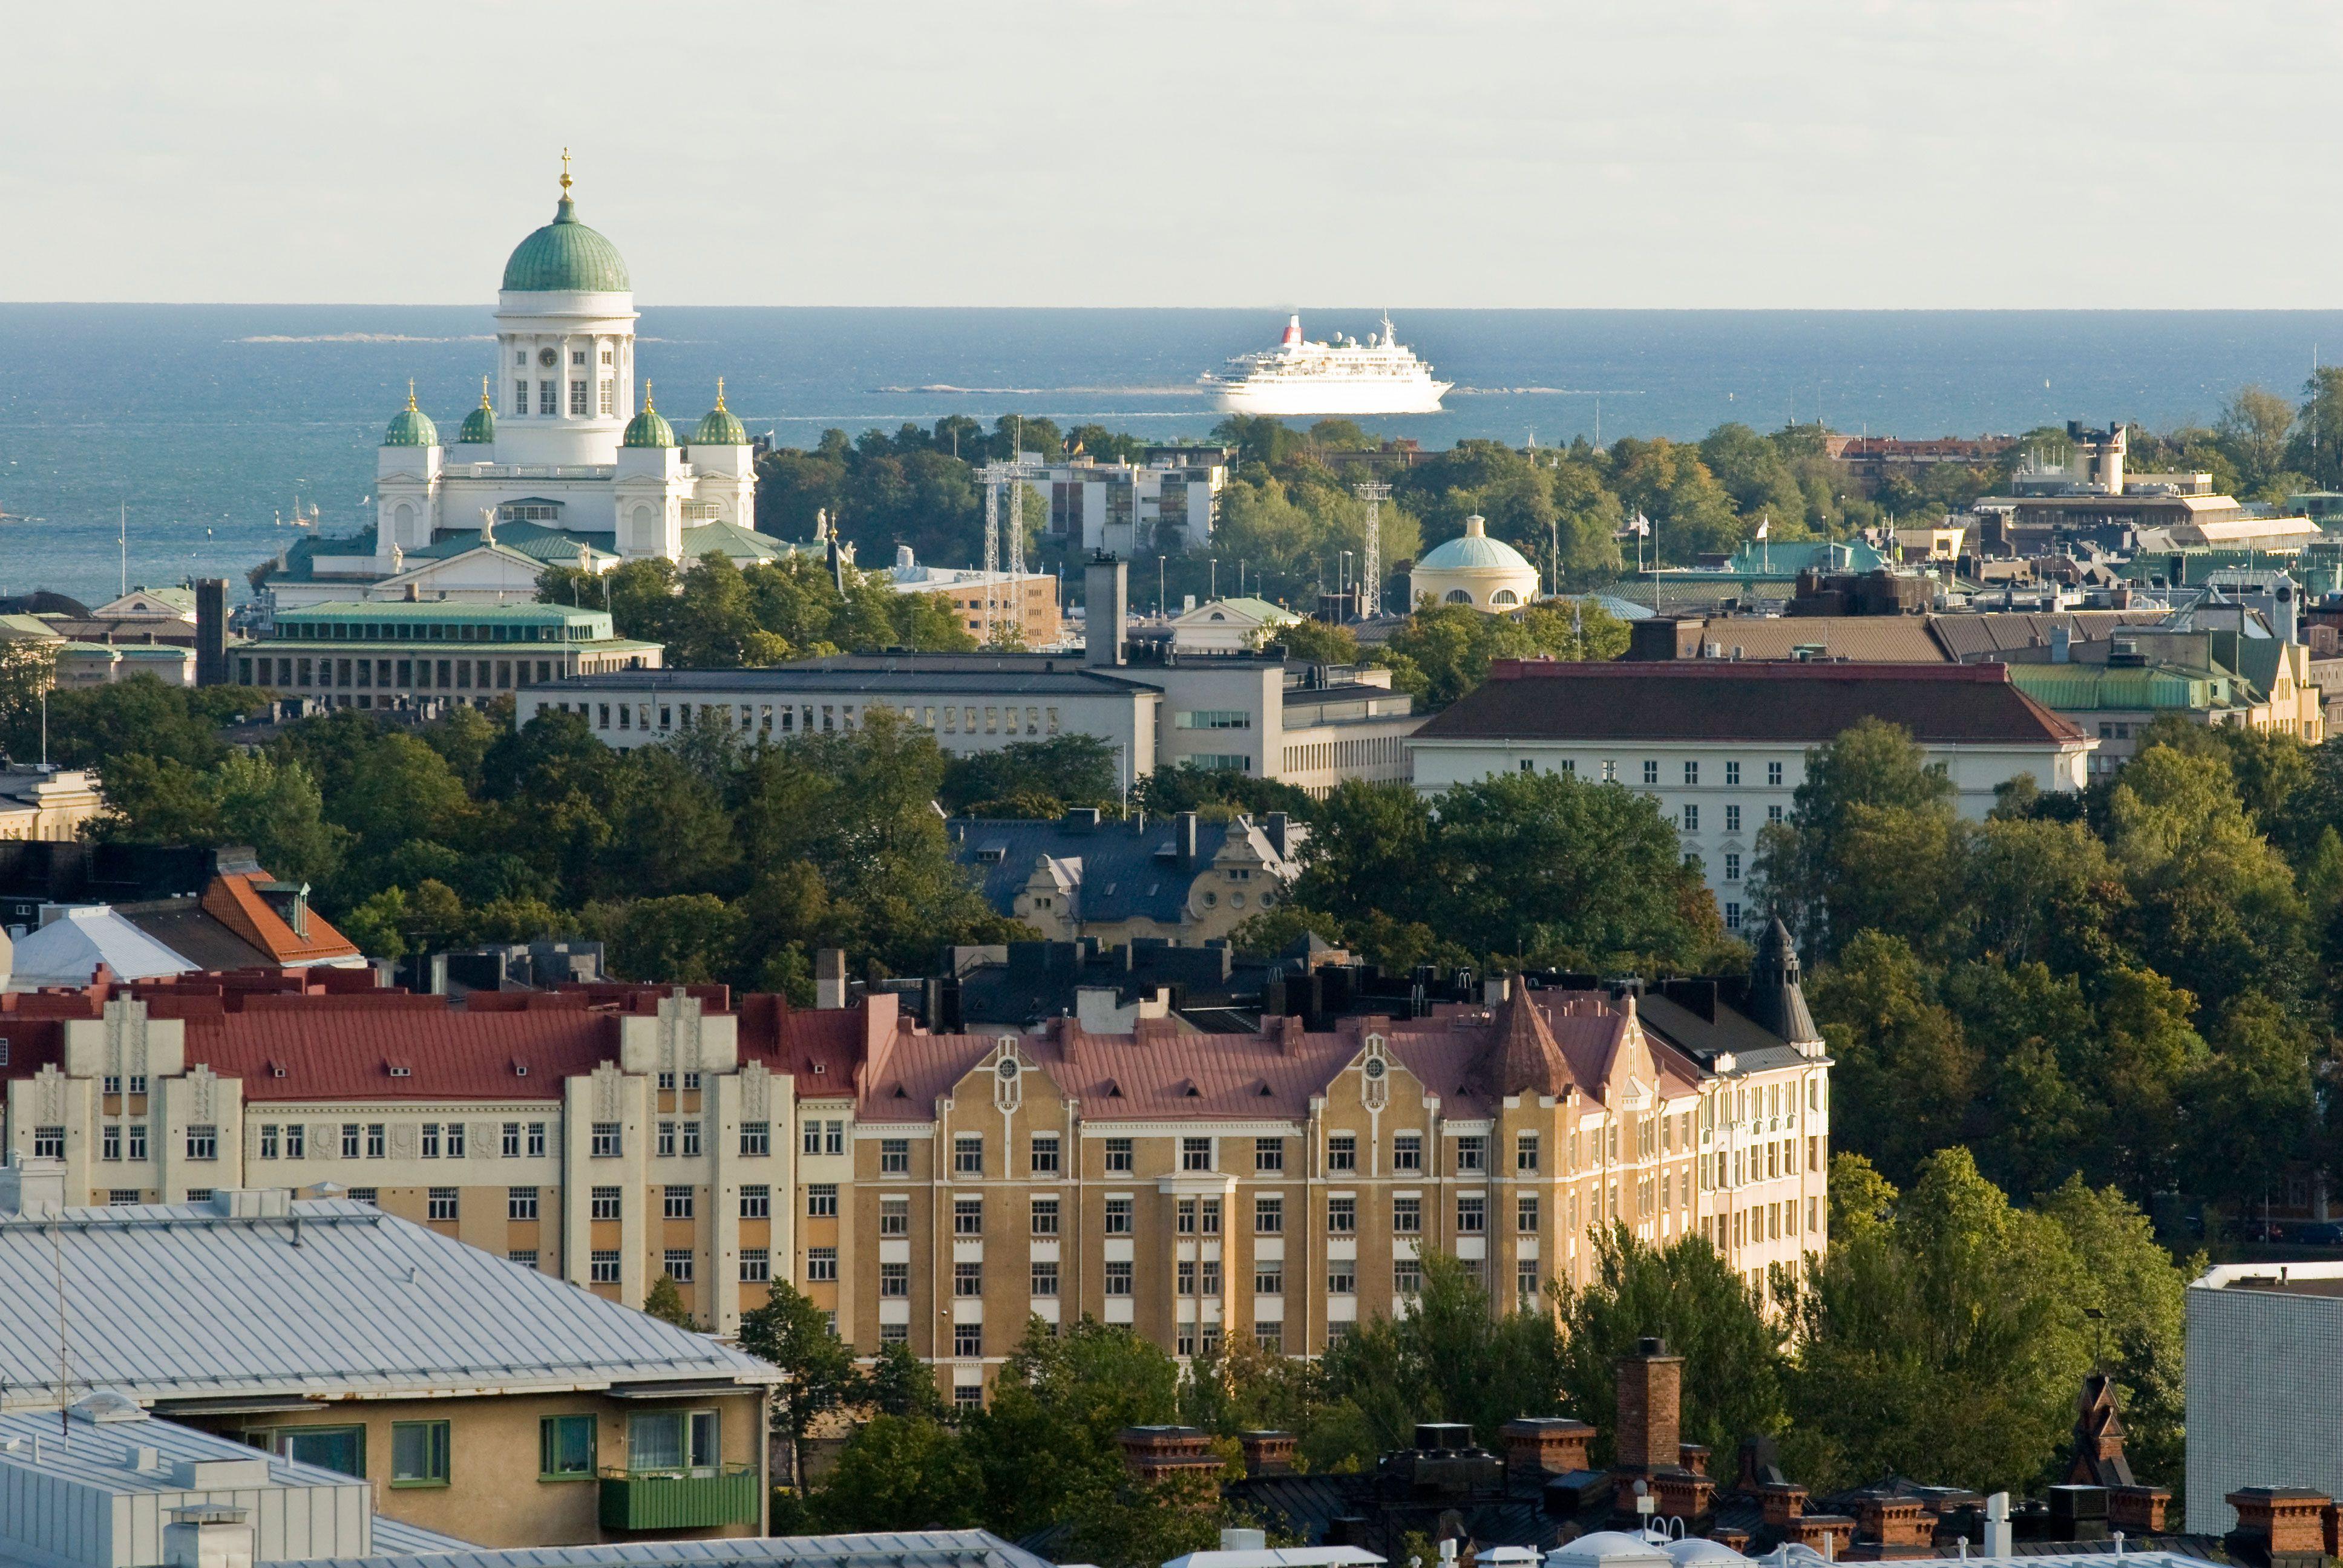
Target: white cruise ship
column 1380, row 375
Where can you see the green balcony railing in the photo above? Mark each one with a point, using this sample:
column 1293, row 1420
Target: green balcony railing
column 679, row 1499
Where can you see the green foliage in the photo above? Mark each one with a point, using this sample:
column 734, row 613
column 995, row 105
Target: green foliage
column 1943, row 1334
column 714, row 615
column 1046, row 776
column 141, row 715
column 900, row 1473
column 1045, row 1447
column 1525, row 867
column 795, row 1335
column 664, row 1300
column 1443, row 651
column 1685, row 1292
column 1452, row 1357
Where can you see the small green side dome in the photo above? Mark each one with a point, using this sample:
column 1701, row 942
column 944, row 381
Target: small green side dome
column 565, row 255
column 479, row 425
column 718, row 427
column 649, row 428
column 411, row 427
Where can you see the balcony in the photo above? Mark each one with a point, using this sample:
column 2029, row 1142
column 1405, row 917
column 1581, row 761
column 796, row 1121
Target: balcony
column 680, row 1500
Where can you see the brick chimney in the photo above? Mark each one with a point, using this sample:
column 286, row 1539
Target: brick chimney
column 2279, row 1526
column 1693, row 1456
column 1541, row 1446
column 1650, row 1392
column 2139, row 1509
column 1893, row 1521
column 1781, row 1502
column 1683, row 1494
column 1268, row 1453
column 1153, row 1452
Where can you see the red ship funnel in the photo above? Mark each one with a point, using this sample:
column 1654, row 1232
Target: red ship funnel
column 1292, row 338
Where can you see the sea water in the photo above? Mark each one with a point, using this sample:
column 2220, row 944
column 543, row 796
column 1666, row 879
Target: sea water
column 205, row 424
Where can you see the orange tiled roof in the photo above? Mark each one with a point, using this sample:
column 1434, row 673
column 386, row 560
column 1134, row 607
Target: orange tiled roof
column 234, row 900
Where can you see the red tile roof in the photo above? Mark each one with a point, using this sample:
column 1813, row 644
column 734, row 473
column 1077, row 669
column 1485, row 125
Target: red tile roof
column 1702, row 699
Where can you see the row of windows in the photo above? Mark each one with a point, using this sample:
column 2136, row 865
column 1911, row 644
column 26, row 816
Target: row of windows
column 296, row 630
column 548, row 397
column 807, row 718
column 421, row 674
column 125, row 1139
column 1688, row 819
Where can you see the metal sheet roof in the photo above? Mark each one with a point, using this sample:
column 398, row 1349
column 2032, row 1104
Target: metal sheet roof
column 334, row 1299
column 905, row 1549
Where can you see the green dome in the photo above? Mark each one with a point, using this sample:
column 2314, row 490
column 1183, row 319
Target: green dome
column 718, row 427
column 649, row 428
column 479, row 425
column 565, row 255
column 410, row 427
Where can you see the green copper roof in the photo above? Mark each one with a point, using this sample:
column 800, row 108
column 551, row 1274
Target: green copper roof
column 718, row 427
column 479, row 425
column 411, row 427
column 565, row 255
column 649, row 428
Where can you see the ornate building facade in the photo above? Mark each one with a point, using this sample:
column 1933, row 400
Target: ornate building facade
column 942, row 1190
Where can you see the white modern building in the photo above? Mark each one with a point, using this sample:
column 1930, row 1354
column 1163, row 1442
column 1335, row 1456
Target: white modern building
column 561, row 462
column 1722, row 747
column 2263, row 1384
column 1167, row 500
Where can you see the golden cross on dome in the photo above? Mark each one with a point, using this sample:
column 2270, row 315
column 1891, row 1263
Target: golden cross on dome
column 484, row 392
column 646, row 398
column 410, row 394
column 719, row 393
column 565, row 172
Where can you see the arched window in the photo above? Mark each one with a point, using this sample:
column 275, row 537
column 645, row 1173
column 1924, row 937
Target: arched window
column 1458, row 596
column 402, row 523
column 1504, row 597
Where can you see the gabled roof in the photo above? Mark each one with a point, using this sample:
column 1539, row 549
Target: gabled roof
column 332, row 1297
column 235, row 900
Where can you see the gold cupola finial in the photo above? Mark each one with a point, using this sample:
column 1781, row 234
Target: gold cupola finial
column 410, row 394
column 720, row 394
column 648, row 406
column 484, row 395
column 565, row 174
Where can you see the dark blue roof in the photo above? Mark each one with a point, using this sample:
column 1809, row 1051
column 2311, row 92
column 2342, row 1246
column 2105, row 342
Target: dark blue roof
column 1137, row 869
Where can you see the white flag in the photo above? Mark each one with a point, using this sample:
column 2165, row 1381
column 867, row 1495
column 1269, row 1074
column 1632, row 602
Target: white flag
column 1762, row 524
column 1643, row 524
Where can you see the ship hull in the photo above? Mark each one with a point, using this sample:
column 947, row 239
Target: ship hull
column 1330, row 397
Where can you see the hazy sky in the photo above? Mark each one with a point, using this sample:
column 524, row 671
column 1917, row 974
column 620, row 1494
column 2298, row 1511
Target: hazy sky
column 1934, row 153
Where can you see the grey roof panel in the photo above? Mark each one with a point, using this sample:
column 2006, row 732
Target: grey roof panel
column 904, row 1549
column 182, row 1301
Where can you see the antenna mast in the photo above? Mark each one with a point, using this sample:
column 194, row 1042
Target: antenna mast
column 1371, row 561
column 1013, row 475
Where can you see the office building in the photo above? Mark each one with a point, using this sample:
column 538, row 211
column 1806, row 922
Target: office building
column 364, row 653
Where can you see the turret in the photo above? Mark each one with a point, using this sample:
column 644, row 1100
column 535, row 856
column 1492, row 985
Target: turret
column 1776, row 999
column 649, row 486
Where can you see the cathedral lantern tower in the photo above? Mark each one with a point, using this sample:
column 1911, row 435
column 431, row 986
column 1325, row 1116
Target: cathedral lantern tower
column 564, row 345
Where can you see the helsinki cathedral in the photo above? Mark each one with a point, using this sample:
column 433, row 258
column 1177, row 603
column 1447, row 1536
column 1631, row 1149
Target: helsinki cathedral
column 560, row 465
